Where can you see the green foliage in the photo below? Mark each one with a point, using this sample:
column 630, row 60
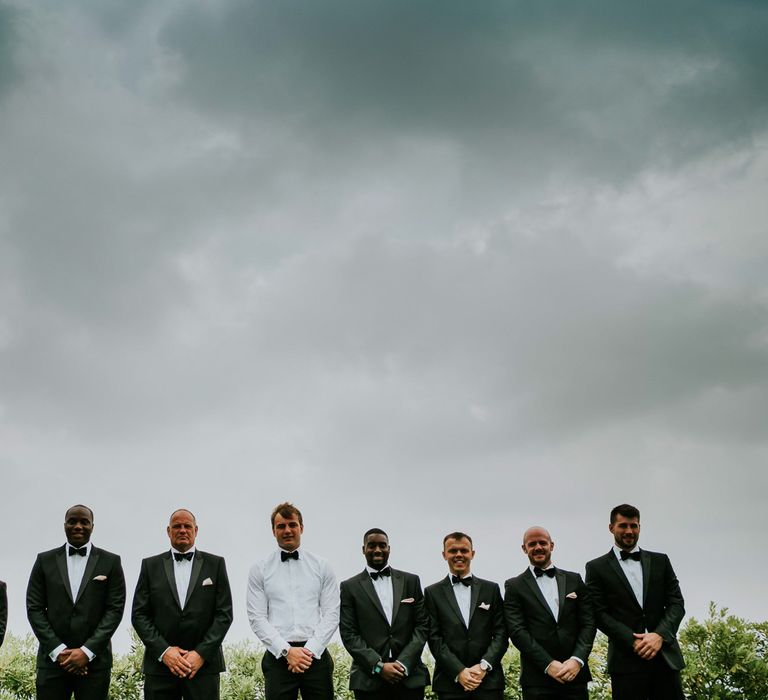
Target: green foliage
column 726, row 656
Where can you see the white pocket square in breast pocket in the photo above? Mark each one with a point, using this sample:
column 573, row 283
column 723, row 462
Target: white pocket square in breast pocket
column 572, row 595
column 484, row 606
column 100, row 577
column 407, row 600
column 207, row 582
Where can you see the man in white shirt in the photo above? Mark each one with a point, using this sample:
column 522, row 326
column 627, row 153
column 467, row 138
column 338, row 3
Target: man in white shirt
column 75, row 601
column 293, row 607
column 550, row 620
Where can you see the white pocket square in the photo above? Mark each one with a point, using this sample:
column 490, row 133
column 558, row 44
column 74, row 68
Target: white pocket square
column 407, row 600
column 100, row 577
column 484, row 606
column 207, row 582
column 572, row 595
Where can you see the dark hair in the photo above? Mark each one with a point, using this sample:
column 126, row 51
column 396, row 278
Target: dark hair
column 457, row 536
column 375, row 531
column 79, row 505
column 183, row 510
column 286, row 510
column 626, row 511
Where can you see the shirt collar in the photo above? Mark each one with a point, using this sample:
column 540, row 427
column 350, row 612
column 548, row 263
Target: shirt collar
column 376, row 571
column 176, row 551
column 531, row 567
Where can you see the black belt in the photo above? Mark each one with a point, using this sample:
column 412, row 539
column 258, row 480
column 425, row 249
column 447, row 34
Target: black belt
column 297, row 644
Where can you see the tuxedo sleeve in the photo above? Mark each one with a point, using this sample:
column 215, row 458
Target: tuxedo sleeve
column 410, row 654
column 514, row 614
column 587, row 630
column 437, row 645
column 37, row 609
column 674, row 605
column 209, row 646
column 143, row 615
column 3, row 611
column 499, row 640
column 98, row 640
column 349, row 629
column 617, row 631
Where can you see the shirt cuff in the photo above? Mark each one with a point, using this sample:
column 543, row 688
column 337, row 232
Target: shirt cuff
column 576, row 658
column 160, row 658
column 403, row 666
column 488, row 664
column 315, row 647
column 55, row 653
column 88, row 653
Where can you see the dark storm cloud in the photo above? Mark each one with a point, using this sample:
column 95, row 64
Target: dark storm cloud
column 605, row 86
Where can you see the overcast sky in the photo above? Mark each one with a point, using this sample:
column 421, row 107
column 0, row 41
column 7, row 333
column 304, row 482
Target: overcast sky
column 423, row 266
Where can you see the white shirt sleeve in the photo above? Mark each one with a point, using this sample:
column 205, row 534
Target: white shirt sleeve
column 330, row 603
column 257, row 606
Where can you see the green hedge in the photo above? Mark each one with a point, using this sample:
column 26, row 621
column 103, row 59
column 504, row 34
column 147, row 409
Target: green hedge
column 727, row 659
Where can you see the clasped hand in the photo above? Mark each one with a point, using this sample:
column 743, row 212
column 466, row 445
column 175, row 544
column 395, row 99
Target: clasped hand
column 182, row 663
column 73, row 661
column 647, row 644
column 299, row 659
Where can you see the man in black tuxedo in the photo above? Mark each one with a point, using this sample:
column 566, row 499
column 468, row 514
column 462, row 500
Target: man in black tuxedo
column 182, row 609
column 638, row 604
column 550, row 621
column 467, row 635
column 384, row 627
column 3, row 611
column 75, row 601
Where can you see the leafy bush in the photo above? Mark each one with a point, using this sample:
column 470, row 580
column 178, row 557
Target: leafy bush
column 727, row 659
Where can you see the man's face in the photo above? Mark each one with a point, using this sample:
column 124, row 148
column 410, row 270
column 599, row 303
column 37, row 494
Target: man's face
column 538, row 547
column 459, row 555
column 287, row 532
column 626, row 532
column 78, row 526
column 376, row 550
column 182, row 530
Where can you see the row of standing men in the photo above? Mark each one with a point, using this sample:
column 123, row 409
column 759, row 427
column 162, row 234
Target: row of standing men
column 182, row 609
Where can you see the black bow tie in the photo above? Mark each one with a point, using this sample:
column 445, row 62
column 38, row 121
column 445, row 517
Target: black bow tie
column 81, row 552
column 544, row 572
column 630, row 555
column 386, row 571
column 463, row 581
column 178, row 556
column 285, row 556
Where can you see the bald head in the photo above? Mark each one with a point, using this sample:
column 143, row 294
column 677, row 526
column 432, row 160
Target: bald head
column 538, row 546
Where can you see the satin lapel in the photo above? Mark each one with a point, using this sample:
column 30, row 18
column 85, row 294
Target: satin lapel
column 560, row 576
column 398, row 584
column 473, row 598
column 168, row 568
column 197, row 564
column 613, row 562
column 450, row 598
column 645, row 562
column 530, row 579
column 367, row 585
column 90, row 567
column 61, row 564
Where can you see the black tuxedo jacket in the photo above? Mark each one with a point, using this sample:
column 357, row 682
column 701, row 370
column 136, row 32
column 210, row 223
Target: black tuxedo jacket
column 89, row 621
column 619, row 615
column 457, row 646
column 368, row 636
column 3, row 611
column 539, row 636
column 200, row 625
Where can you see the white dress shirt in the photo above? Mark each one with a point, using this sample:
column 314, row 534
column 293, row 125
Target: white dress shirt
column 75, row 569
column 383, row 587
column 182, row 572
column 548, row 588
column 463, row 597
column 633, row 570
column 293, row 601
